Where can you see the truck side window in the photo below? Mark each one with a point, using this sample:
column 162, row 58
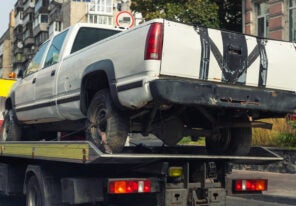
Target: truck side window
column 55, row 49
column 36, row 61
column 87, row 36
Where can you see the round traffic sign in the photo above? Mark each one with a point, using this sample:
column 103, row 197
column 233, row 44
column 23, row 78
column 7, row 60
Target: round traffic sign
column 125, row 19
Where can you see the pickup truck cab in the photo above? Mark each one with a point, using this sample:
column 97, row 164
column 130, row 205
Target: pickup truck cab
column 162, row 77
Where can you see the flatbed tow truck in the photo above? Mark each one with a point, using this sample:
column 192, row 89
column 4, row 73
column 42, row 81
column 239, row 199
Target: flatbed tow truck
column 77, row 172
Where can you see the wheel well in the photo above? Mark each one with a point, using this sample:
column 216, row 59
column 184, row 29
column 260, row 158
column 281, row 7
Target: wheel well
column 91, row 84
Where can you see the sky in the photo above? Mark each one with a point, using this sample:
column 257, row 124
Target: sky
column 5, row 7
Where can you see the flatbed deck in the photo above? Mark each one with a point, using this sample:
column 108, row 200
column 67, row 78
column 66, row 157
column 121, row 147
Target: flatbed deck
column 87, row 153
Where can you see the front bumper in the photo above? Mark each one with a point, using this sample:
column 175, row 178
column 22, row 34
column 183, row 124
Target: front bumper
column 205, row 93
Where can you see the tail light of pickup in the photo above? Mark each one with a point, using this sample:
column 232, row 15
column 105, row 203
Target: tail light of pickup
column 154, row 42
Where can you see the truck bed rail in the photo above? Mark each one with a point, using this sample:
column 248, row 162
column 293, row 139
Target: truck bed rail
column 87, row 153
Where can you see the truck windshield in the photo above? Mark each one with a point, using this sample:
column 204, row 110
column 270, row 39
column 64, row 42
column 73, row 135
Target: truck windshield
column 87, row 36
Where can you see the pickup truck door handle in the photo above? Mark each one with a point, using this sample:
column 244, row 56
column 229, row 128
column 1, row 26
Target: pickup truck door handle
column 52, row 73
column 34, row 81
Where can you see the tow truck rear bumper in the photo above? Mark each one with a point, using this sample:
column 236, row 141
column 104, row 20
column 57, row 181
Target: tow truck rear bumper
column 205, row 93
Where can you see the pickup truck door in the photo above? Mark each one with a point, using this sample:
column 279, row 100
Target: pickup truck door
column 25, row 90
column 45, row 86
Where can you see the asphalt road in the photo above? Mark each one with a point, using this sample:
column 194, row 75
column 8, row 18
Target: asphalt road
column 281, row 191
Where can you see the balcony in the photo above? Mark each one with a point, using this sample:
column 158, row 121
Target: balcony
column 29, row 41
column 18, row 58
column 42, row 27
column 28, row 38
column 55, row 15
column 19, row 19
column 40, row 24
column 29, row 5
column 41, row 6
column 28, row 19
column 95, row 8
column 18, row 5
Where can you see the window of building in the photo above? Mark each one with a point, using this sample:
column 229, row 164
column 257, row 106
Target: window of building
column 100, row 19
column 87, row 36
column 101, row 6
column 55, row 49
column 44, row 18
column 262, row 19
column 292, row 20
column 58, row 26
column 36, row 61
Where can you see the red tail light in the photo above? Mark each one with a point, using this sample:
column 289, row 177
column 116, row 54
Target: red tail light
column 154, row 42
column 129, row 186
column 249, row 185
column 291, row 117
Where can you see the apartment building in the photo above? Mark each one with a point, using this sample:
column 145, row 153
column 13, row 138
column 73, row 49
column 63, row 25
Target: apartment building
column 37, row 20
column 275, row 19
column 6, row 55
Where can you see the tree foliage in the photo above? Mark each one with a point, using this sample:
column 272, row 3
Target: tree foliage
column 197, row 12
column 210, row 13
column 230, row 14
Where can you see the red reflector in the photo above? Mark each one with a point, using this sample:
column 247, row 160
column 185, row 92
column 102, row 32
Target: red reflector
column 129, row 186
column 249, row 185
column 154, row 42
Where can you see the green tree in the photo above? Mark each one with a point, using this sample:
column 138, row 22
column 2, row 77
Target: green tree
column 197, row 12
column 224, row 14
column 230, row 14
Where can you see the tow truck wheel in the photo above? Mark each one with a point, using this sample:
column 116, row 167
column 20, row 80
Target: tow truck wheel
column 107, row 128
column 34, row 195
column 10, row 130
column 230, row 141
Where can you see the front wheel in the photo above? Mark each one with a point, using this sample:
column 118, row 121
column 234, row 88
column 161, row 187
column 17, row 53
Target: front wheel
column 107, row 128
column 10, row 131
column 230, row 141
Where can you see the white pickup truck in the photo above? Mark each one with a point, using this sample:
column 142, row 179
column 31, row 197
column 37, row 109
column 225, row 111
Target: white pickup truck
column 162, row 77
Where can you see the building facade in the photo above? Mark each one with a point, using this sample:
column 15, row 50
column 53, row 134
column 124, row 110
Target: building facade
column 37, row 20
column 275, row 19
column 6, row 46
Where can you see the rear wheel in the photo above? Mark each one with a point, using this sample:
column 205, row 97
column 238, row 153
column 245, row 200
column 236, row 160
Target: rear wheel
column 230, row 141
column 107, row 128
column 34, row 195
column 10, row 131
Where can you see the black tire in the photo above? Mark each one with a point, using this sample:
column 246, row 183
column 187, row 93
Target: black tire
column 34, row 196
column 230, row 141
column 10, row 130
column 107, row 128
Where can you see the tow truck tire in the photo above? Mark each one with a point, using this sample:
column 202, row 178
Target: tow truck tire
column 34, row 195
column 230, row 141
column 107, row 128
column 10, row 131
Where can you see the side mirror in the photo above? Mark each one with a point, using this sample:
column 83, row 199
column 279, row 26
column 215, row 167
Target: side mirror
column 20, row 74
